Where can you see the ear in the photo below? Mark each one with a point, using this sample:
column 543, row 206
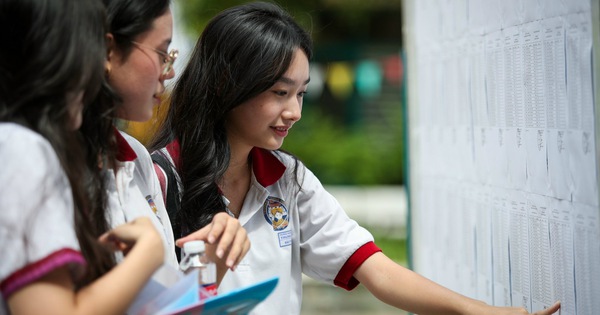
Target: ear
column 110, row 46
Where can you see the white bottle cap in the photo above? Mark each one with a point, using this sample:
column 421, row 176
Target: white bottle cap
column 193, row 247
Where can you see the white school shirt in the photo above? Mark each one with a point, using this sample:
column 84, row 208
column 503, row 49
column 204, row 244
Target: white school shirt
column 135, row 192
column 291, row 232
column 37, row 232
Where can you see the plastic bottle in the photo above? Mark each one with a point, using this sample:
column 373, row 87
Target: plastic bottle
column 194, row 257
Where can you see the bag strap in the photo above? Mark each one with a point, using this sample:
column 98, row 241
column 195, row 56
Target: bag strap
column 170, row 193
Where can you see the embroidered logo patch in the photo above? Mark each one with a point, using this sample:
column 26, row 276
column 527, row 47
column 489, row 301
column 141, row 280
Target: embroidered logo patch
column 276, row 213
column 151, row 204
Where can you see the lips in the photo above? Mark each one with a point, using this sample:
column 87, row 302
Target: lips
column 281, row 131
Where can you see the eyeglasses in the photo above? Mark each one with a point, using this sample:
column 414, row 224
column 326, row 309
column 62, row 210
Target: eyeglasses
column 169, row 58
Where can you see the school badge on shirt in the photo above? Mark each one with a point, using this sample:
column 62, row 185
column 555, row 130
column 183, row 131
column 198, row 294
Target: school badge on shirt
column 151, row 204
column 276, row 213
column 153, row 207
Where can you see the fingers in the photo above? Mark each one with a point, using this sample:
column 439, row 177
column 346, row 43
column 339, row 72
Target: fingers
column 237, row 249
column 550, row 310
column 124, row 236
column 198, row 235
column 221, row 227
column 231, row 237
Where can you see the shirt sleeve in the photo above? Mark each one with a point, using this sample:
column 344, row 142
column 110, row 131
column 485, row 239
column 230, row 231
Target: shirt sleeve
column 332, row 245
column 37, row 233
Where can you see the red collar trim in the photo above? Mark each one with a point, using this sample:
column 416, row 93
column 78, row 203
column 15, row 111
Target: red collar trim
column 124, row 151
column 267, row 168
column 173, row 149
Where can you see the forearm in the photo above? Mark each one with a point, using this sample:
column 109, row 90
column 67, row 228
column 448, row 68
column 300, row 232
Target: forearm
column 405, row 289
column 53, row 294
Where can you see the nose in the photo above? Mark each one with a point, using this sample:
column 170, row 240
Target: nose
column 169, row 75
column 293, row 110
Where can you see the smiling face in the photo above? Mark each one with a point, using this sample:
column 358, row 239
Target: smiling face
column 264, row 121
column 137, row 78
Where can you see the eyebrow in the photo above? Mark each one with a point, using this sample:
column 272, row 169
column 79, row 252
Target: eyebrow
column 289, row 81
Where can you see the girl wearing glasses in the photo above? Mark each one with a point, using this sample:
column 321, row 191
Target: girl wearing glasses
column 53, row 233
column 231, row 110
column 139, row 62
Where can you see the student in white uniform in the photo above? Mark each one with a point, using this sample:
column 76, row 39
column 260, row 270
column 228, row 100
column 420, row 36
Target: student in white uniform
column 231, row 109
column 56, row 256
column 138, row 63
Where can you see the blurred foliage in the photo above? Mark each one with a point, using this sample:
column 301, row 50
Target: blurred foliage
column 197, row 13
column 320, row 17
column 342, row 156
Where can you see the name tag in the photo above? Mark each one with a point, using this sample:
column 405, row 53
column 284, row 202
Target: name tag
column 285, row 238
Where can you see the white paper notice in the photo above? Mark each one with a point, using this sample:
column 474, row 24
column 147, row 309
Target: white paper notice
column 539, row 253
column 514, row 136
column 519, row 251
column 500, row 254
column 484, row 208
column 555, row 88
column 535, row 108
column 561, row 248
column 587, row 258
column 582, row 159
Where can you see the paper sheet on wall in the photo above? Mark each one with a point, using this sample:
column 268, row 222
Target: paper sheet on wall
column 539, row 252
column 559, row 177
column 561, row 248
column 582, row 159
column 535, row 108
column 483, row 207
column 513, row 97
column 519, row 251
column 500, row 253
column 586, row 233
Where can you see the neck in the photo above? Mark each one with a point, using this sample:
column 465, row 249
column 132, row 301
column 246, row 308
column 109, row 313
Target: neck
column 238, row 163
column 237, row 172
column 236, row 182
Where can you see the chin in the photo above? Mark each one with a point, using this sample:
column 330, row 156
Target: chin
column 275, row 147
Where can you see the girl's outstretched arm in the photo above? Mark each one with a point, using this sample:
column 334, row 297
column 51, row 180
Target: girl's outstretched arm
column 405, row 289
column 112, row 293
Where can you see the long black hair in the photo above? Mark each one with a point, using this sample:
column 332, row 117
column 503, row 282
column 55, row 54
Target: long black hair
column 53, row 49
column 241, row 53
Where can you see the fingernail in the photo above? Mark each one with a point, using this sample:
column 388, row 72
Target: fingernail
column 211, row 239
column 230, row 264
column 220, row 254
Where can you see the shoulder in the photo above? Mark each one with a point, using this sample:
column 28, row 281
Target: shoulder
column 24, row 150
column 35, row 187
column 19, row 139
